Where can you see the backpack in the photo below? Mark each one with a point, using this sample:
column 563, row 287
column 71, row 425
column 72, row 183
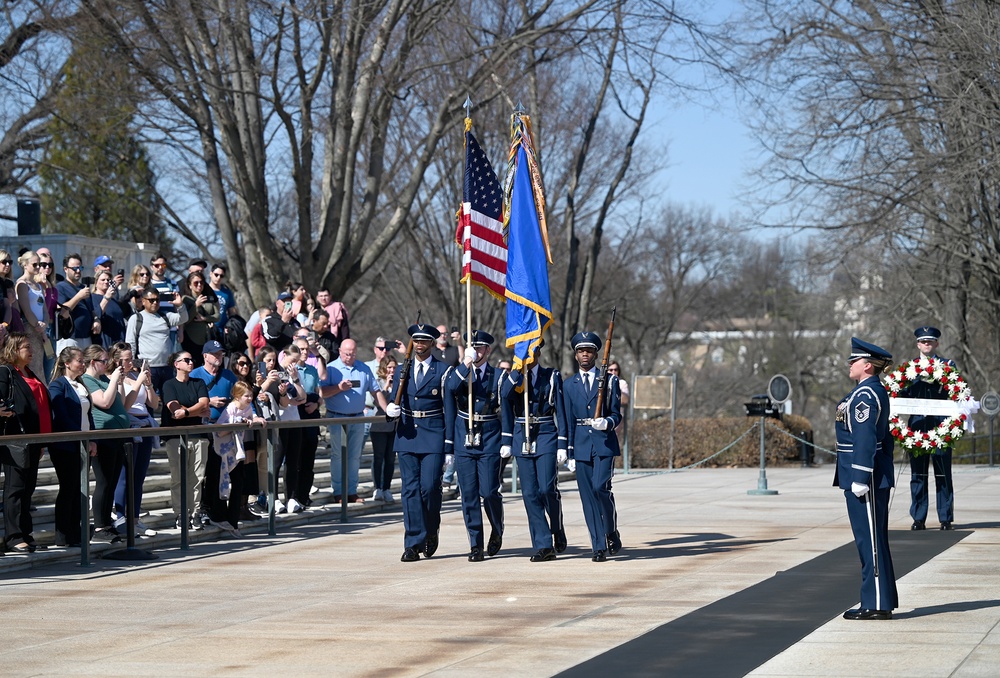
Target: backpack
column 234, row 335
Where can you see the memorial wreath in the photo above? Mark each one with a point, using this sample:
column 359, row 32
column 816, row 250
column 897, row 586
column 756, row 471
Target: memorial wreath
column 934, row 371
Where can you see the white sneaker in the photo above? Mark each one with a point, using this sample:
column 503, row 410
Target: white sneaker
column 295, row 507
column 387, row 497
column 377, row 495
column 119, row 522
column 279, row 506
column 313, row 490
column 142, row 531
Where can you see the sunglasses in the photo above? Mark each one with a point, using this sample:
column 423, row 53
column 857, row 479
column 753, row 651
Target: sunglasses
column 45, row 264
column 74, row 268
column 242, row 364
column 158, row 264
column 382, row 348
column 152, row 300
column 8, row 262
column 185, row 360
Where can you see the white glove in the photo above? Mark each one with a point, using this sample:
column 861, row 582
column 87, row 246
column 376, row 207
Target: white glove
column 600, row 424
column 470, row 356
column 859, row 490
column 449, row 459
column 571, row 465
column 393, row 411
column 561, row 456
column 505, row 451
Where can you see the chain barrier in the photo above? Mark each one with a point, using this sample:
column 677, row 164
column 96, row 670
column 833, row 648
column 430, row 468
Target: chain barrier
column 707, row 459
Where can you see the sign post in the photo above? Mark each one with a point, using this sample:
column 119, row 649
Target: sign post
column 990, row 406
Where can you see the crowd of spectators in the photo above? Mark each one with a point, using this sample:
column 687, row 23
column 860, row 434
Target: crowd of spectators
column 92, row 349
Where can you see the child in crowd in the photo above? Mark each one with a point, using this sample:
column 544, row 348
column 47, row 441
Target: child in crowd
column 229, row 446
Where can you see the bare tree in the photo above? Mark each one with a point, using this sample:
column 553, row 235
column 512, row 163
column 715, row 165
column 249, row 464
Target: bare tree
column 33, row 49
column 881, row 118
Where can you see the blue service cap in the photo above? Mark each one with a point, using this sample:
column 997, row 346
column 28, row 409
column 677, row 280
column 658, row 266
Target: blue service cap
column 585, row 340
column 479, row 338
column 862, row 349
column 927, row 333
column 424, row 331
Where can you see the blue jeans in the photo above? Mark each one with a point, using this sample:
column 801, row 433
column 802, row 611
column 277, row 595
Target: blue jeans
column 355, row 443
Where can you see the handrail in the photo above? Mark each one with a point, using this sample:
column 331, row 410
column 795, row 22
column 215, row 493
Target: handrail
column 182, row 432
column 44, row 439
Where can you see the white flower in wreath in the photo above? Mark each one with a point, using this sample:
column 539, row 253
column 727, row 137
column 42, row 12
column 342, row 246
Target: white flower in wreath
column 911, row 372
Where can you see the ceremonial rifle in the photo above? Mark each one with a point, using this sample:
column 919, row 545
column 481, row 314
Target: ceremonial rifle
column 602, row 380
column 404, row 375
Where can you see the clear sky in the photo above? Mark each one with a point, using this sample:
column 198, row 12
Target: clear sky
column 710, row 153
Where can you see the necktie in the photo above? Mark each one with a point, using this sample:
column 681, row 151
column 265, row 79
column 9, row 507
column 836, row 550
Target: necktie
column 586, row 382
column 420, row 374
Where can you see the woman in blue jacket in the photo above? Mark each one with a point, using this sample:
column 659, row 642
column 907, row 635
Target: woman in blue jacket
column 71, row 412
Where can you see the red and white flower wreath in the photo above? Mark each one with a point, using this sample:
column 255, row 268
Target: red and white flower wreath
column 935, row 371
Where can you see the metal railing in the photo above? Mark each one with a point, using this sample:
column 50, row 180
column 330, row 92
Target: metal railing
column 184, row 432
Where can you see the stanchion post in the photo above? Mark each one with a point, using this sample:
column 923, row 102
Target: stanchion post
column 762, row 478
column 343, row 473
column 272, row 483
column 84, row 505
column 130, row 552
column 991, row 441
column 185, row 521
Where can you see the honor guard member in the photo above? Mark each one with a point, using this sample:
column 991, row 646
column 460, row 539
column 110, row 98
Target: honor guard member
column 864, row 472
column 476, row 446
column 927, row 343
column 536, row 453
column 593, row 444
column 419, row 444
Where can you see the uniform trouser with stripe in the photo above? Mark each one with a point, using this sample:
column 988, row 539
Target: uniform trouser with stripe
column 871, row 534
column 943, row 486
column 593, row 478
column 420, row 495
column 540, row 493
column 479, row 481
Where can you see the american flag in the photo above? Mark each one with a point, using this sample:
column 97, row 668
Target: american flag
column 480, row 222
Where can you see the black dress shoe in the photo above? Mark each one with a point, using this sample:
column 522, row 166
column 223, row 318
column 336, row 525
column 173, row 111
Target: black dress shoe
column 543, row 555
column 560, row 539
column 599, row 557
column 614, row 543
column 864, row 614
column 410, row 556
column 494, row 544
column 918, row 525
column 946, row 526
column 476, row 556
column 431, row 545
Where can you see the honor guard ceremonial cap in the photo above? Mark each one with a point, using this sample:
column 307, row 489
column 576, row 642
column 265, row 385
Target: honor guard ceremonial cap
column 927, row 333
column 862, row 349
column 479, row 338
column 424, row 331
column 585, row 340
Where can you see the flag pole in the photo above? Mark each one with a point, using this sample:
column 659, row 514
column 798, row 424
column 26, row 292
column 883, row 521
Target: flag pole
column 527, row 410
column 470, row 431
